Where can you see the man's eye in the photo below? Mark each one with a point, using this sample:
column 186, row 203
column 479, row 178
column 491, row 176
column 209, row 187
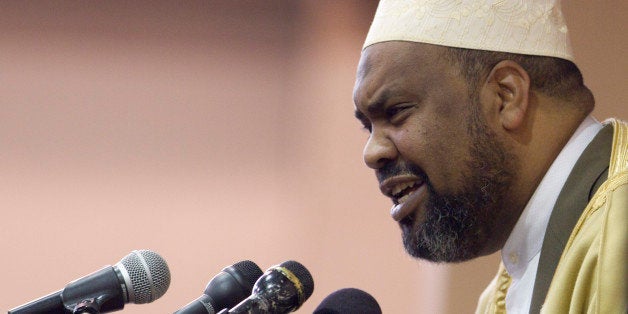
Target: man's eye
column 394, row 110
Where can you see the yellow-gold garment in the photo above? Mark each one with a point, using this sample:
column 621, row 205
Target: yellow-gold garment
column 591, row 273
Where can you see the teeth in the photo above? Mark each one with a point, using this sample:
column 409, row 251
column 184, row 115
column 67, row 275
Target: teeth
column 403, row 199
column 400, row 187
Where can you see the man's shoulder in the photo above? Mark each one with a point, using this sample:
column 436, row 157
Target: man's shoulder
column 619, row 154
column 591, row 269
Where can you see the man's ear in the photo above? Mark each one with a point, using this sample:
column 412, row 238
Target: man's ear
column 509, row 84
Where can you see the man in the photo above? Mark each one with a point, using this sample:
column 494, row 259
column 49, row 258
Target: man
column 481, row 135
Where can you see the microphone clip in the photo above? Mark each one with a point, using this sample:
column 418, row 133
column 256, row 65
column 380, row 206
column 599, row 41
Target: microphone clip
column 87, row 306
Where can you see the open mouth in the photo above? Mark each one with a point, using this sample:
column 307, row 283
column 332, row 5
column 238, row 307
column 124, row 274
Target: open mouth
column 406, row 192
column 398, row 189
column 401, row 192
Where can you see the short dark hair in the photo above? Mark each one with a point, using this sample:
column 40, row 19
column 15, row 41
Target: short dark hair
column 553, row 77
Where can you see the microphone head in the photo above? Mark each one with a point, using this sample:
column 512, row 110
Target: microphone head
column 245, row 272
column 303, row 279
column 146, row 275
column 348, row 301
column 232, row 285
column 283, row 288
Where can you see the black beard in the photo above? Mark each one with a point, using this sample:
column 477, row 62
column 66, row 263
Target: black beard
column 457, row 225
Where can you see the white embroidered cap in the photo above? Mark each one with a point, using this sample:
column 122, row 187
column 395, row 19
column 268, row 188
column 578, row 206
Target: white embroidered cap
column 532, row 27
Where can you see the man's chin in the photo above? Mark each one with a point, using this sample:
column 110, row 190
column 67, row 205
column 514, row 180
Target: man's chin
column 430, row 248
column 429, row 255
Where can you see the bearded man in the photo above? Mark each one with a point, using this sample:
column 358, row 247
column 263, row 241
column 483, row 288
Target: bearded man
column 481, row 135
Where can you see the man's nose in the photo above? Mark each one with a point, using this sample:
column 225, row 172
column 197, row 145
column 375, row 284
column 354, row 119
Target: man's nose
column 379, row 150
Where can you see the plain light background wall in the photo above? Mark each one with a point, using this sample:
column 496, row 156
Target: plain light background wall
column 212, row 132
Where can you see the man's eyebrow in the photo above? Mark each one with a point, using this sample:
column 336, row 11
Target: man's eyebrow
column 359, row 115
column 374, row 108
column 376, row 105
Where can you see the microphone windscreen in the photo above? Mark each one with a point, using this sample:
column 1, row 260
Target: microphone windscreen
column 146, row 274
column 348, row 301
column 303, row 276
column 248, row 270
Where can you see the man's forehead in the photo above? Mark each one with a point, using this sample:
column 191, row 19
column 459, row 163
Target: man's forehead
column 376, row 65
column 397, row 55
column 368, row 60
column 365, row 67
column 374, row 59
column 384, row 61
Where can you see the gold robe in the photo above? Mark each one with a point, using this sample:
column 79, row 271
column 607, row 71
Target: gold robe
column 591, row 274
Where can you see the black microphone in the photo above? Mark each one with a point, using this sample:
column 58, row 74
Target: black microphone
column 281, row 289
column 348, row 301
column 226, row 289
column 140, row 277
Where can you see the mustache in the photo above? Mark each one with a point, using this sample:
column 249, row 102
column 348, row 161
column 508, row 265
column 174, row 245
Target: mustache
column 402, row 168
